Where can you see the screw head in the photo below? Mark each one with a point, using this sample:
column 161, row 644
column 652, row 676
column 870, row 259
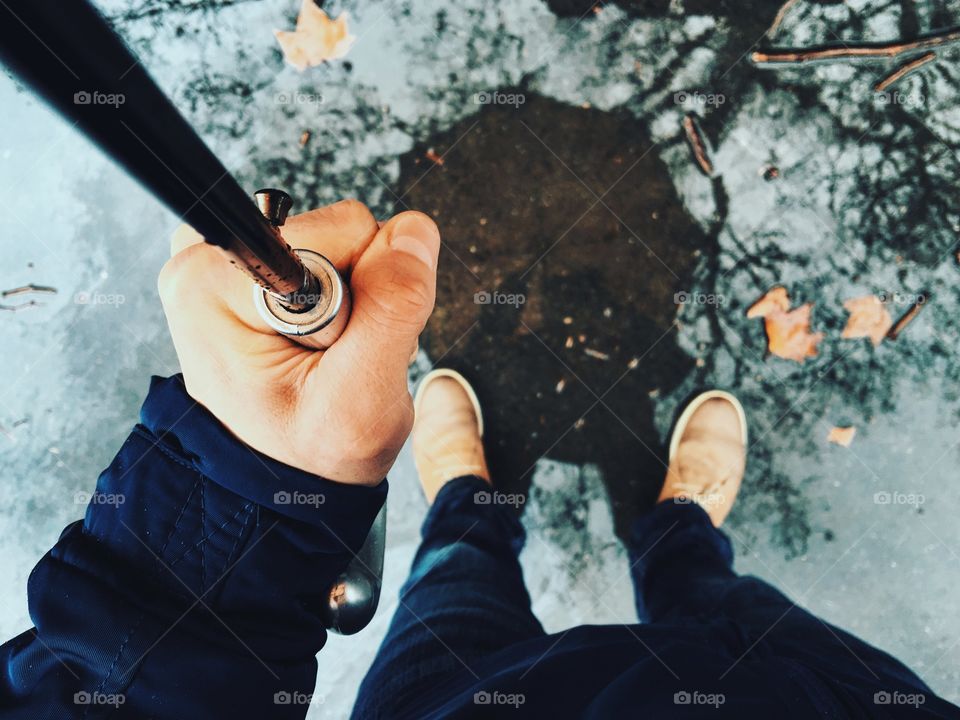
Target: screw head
column 274, row 204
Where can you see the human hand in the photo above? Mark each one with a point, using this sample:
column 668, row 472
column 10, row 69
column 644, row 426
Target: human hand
column 342, row 413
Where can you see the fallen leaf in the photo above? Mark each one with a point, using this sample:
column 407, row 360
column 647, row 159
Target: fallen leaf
column 776, row 300
column 788, row 331
column 842, row 435
column 868, row 318
column 316, row 39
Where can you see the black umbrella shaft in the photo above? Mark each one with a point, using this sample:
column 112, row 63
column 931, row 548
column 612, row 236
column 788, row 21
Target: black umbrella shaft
column 66, row 52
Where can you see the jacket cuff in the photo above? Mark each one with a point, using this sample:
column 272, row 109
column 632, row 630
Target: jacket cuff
column 186, row 511
column 187, row 427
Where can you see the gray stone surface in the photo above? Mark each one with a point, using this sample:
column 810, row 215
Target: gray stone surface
column 865, row 202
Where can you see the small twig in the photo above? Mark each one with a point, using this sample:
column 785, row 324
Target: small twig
column 848, row 51
column 31, row 288
column 904, row 70
column 21, row 306
column 697, row 144
column 781, row 14
column 900, row 325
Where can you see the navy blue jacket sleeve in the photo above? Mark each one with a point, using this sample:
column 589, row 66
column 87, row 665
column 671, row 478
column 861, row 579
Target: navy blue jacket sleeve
column 191, row 588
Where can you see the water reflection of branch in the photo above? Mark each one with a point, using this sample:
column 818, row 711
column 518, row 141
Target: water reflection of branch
column 152, row 8
column 27, row 289
column 903, row 71
column 781, row 14
column 846, row 51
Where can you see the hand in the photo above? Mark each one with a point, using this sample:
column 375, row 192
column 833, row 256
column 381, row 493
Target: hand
column 342, row 413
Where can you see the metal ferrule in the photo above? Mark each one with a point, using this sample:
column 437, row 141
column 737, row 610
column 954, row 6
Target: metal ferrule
column 326, row 305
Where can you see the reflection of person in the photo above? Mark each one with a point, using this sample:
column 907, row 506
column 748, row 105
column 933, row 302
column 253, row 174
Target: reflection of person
column 195, row 594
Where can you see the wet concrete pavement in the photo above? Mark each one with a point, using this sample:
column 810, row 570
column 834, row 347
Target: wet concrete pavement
column 592, row 277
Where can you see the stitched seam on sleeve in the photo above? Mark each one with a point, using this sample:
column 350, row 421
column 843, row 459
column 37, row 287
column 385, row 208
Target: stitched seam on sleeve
column 157, row 443
column 116, row 660
column 236, row 540
column 226, row 522
column 156, row 572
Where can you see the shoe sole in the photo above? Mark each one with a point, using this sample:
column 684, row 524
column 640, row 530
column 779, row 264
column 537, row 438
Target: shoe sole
column 681, row 425
column 461, row 381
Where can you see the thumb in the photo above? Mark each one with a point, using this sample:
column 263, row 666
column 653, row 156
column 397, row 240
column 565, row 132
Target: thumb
column 394, row 284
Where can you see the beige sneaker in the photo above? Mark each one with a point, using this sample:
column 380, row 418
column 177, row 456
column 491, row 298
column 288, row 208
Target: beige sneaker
column 447, row 431
column 708, row 451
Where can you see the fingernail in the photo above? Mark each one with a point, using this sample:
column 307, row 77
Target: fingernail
column 416, row 236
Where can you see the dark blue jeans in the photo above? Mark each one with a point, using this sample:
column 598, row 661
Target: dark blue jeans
column 465, row 599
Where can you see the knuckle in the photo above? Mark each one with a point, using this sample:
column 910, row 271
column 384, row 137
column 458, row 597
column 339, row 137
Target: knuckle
column 186, row 273
column 183, row 237
column 356, row 215
column 170, row 280
column 349, row 213
column 351, row 208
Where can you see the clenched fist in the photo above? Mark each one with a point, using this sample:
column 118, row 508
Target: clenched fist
column 342, row 413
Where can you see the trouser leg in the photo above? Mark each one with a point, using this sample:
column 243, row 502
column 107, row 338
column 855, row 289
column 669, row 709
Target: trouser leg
column 464, row 599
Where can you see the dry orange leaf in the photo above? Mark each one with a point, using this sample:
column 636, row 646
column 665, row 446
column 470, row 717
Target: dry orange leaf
column 842, row 435
column 868, row 318
column 776, row 300
column 316, row 39
column 788, row 331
